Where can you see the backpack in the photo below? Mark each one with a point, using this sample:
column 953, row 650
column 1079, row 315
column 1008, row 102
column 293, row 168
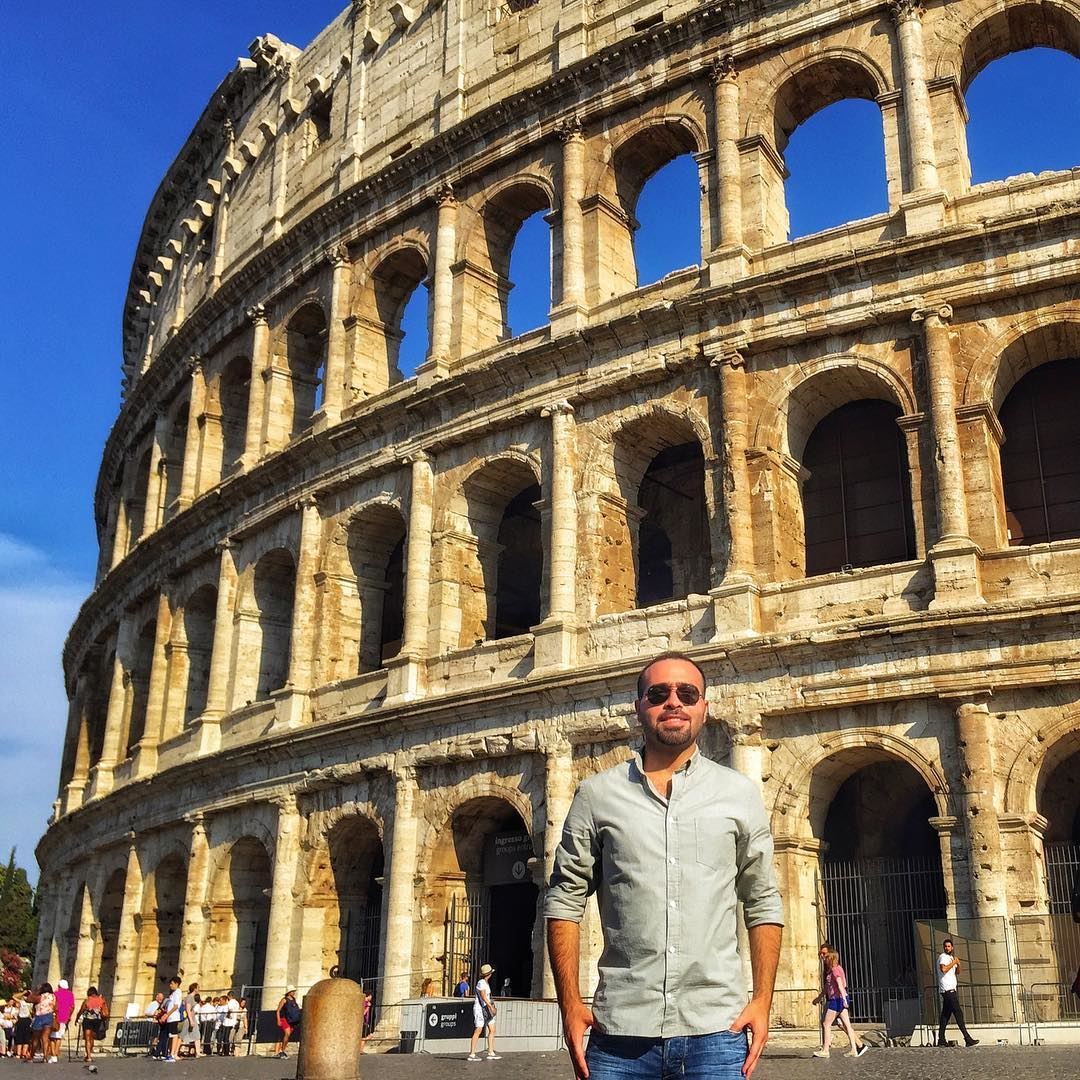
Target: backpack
column 291, row 1012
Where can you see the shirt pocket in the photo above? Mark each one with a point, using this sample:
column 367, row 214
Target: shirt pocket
column 715, row 842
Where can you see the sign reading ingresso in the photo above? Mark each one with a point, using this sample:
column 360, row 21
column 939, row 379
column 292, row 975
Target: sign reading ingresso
column 506, row 858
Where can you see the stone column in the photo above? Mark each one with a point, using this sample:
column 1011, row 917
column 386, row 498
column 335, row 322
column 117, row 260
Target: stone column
column 193, row 932
column 101, row 774
column 260, row 362
column 155, row 482
column 924, row 208
column 954, row 556
column 127, row 938
column 84, row 948
column 731, row 258
column 555, row 637
column 78, row 748
column 747, row 752
column 157, row 724
column 189, row 477
column 46, row 962
column 120, row 532
column 334, row 387
column 559, row 787
column 736, row 600
column 571, row 310
column 282, row 902
column 406, row 671
column 302, row 636
column 400, row 914
column 217, row 690
column 437, row 364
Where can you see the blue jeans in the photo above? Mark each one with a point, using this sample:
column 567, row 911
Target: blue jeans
column 719, row 1056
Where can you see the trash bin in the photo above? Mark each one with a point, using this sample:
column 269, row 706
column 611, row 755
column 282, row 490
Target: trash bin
column 408, row 1042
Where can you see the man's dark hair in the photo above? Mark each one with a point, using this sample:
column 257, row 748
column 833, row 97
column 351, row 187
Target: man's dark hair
column 948, row 941
column 672, row 655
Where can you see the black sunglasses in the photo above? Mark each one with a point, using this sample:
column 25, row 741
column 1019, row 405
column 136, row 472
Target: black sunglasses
column 686, row 692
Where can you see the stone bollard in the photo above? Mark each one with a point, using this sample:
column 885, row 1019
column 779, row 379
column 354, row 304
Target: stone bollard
column 332, row 1026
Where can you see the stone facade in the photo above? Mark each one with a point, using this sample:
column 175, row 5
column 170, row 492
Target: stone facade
column 351, row 628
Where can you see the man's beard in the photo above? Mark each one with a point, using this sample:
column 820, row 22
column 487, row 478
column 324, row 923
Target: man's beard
column 679, row 736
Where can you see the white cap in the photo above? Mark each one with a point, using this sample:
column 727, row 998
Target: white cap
column 63, row 984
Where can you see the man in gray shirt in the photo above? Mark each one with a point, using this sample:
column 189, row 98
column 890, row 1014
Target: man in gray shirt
column 670, row 842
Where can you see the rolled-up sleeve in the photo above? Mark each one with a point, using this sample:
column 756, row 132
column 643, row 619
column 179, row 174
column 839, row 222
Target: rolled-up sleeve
column 573, row 879
column 756, row 876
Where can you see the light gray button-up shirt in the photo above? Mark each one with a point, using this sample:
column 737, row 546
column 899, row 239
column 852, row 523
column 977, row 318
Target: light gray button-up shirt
column 667, row 874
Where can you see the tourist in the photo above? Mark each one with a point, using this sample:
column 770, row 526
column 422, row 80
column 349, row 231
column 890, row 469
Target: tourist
column 65, row 1006
column 671, row 843
column 365, row 1027
column 44, row 1002
column 463, row 989
column 949, row 968
column 824, row 949
column 23, row 1025
column 427, row 988
column 483, row 1016
column 230, row 1018
column 94, row 1015
column 168, row 1018
column 207, row 1022
column 837, row 1007
column 288, row 1019
column 8, row 1015
column 189, row 1021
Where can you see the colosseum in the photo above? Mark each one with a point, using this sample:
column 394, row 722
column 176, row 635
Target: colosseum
column 358, row 631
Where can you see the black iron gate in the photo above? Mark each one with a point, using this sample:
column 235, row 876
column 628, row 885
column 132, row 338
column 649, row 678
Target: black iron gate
column 466, row 940
column 870, row 909
column 1062, row 877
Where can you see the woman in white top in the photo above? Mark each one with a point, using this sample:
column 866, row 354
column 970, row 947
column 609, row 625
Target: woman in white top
column 483, row 1015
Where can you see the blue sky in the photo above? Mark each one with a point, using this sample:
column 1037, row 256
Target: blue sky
column 100, row 99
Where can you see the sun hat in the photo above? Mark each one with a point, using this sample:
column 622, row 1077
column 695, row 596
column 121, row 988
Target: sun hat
column 487, row 969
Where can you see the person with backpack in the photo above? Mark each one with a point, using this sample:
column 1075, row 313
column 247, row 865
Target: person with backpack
column 288, row 1020
column 94, row 1015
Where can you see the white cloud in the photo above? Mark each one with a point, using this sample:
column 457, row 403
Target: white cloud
column 38, row 604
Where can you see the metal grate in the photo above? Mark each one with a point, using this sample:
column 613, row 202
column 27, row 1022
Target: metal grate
column 1062, row 876
column 870, row 909
column 466, row 941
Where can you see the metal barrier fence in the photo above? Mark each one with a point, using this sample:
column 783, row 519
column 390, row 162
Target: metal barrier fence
column 1051, row 1004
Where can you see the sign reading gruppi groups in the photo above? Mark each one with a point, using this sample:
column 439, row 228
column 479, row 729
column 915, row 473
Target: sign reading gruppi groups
column 506, row 858
column 449, row 1020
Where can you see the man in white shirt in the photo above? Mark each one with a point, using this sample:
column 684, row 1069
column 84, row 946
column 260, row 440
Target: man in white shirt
column 948, row 966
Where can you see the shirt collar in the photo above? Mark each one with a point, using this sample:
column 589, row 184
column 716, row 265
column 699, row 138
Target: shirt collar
column 638, row 762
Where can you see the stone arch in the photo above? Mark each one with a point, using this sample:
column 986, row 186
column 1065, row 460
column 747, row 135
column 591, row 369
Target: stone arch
column 138, row 678
column 196, row 625
column 239, row 906
column 396, row 271
column 107, row 915
column 299, row 364
column 482, row 280
column 136, row 484
column 266, row 619
column 486, row 919
column 660, row 465
column 160, row 922
column 1029, row 341
column 1043, row 749
column 492, row 534
column 801, row 400
column 345, row 883
column 173, row 456
column 233, row 389
column 800, row 812
column 362, row 608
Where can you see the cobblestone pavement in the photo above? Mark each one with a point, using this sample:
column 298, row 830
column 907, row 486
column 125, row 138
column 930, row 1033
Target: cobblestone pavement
column 978, row 1063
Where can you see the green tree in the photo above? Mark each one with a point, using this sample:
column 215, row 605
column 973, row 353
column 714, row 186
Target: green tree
column 18, row 911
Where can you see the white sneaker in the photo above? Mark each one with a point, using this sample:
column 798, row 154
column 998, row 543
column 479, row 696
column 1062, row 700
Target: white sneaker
column 474, row 1057
column 821, row 1053
column 492, row 1056
column 53, row 1060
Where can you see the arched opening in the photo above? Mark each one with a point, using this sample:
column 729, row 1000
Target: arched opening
column 108, row 922
column 881, row 873
column 71, row 938
column 667, row 236
column 240, row 916
column 348, row 885
column 274, row 590
column 656, row 540
column 1019, row 80
column 100, row 664
column 501, row 579
column 375, row 611
column 173, row 454
column 142, row 661
column 840, row 150
column 857, row 498
column 528, row 304
column 136, row 508
column 397, row 344
column 481, row 892
column 1058, row 800
column 835, row 88
column 234, row 391
column 199, row 616
column 300, row 396
column 160, row 923
column 502, row 219
column 658, row 189
column 1040, row 455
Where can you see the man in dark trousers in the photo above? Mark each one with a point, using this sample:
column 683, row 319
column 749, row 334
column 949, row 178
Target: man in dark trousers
column 670, row 842
column 948, row 966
